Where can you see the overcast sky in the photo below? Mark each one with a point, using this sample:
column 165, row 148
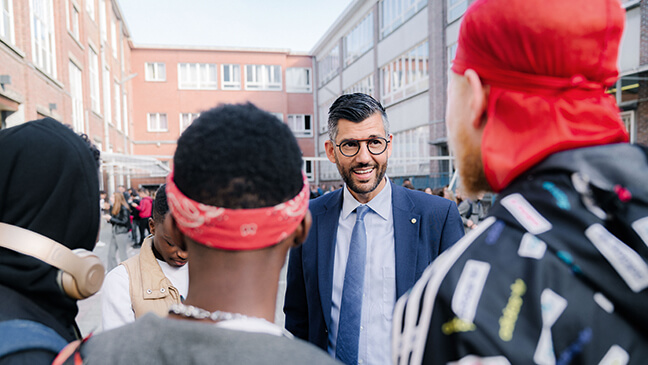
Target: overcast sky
column 293, row 24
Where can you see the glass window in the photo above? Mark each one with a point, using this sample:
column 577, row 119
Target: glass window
column 93, row 67
column 300, row 124
column 157, row 122
column 6, row 21
column 186, row 119
column 43, row 45
column 396, row 12
column 231, row 75
column 329, row 66
column 365, row 86
column 90, row 7
column 155, row 71
column 72, row 19
column 197, row 76
column 113, row 38
column 76, row 93
column 456, row 8
column 359, row 40
column 102, row 20
column 405, row 76
column 106, row 91
column 118, row 119
column 298, row 80
column 262, row 77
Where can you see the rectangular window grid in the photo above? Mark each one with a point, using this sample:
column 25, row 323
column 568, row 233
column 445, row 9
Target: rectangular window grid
column 186, row 119
column 155, row 71
column 359, row 40
column 329, row 66
column 298, row 80
column 262, row 77
column 93, row 66
column 396, row 12
column 199, row 76
column 300, row 124
column 405, row 76
column 231, row 77
column 157, row 122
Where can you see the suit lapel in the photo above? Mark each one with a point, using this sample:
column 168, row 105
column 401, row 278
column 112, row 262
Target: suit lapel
column 406, row 239
column 327, row 223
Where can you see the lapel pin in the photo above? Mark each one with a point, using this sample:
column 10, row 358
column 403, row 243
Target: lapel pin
column 413, row 221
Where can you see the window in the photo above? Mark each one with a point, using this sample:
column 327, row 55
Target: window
column 262, row 77
column 42, row 23
column 329, row 66
column 456, row 8
column 298, row 80
column 6, row 21
column 106, row 91
column 125, row 104
column 452, row 52
column 405, row 76
column 365, row 86
column 628, row 118
column 231, row 75
column 301, row 125
column 118, row 119
column 186, row 119
column 76, row 93
column 197, row 76
column 308, row 169
column 102, row 20
column 113, row 38
column 396, row 12
column 72, row 18
column 155, row 71
column 278, row 115
column 90, row 7
column 410, row 152
column 157, row 122
column 93, row 66
column 359, row 40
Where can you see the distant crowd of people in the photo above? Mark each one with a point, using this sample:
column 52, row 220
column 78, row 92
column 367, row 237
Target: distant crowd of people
column 553, row 269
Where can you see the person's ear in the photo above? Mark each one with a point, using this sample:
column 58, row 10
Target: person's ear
column 478, row 99
column 172, row 230
column 151, row 223
column 329, row 146
column 302, row 230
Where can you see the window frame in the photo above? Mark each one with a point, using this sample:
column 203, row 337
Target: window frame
column 95, row 89
column 157, row 75
column 76, row 96
column 364, row 28
column 231, row 85
column 200, row 83
column 293, row 87
column 158, row 122
column 264, row 75
column 43, row 47
column 293, row 119
column 192, row 117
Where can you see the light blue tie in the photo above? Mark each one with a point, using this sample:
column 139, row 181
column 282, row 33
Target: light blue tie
column 351, row 306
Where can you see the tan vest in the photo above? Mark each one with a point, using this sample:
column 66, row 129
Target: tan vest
column 150, row 290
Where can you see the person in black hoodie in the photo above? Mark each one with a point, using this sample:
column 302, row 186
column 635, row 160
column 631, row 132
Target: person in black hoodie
column 48, row 185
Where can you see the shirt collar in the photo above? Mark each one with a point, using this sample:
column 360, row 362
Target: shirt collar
column 380, row 204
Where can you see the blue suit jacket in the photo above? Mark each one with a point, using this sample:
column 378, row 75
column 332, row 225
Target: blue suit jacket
column 424, row 226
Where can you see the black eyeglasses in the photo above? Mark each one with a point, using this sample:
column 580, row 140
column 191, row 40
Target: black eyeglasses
column 351, row 147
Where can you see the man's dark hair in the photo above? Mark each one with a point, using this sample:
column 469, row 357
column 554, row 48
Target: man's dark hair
column 238, row 157
column 355, row 108
column 160, row 205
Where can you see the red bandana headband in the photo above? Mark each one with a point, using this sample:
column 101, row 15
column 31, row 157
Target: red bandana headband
column 236, row 229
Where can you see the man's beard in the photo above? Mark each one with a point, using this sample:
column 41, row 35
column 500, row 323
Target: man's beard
column 471, row 167
column 347, row 177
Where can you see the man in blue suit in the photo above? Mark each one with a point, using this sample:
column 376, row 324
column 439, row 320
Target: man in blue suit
column 402, row 232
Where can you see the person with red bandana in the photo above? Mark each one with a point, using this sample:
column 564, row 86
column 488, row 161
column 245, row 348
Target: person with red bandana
column 558, row 272
column 239, row 201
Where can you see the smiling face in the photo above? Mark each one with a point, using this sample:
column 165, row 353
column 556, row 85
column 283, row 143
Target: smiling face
column 165, row 245
column 363, row 173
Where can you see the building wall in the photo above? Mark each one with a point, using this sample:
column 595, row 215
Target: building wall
column 167, row 97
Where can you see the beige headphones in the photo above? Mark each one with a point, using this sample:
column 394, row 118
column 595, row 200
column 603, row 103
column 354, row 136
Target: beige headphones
column 82, row 272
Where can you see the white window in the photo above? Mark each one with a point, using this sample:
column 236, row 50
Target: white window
column 155, row 71
column 197, row 76
column 308, row 169
column 93, row 67
column 72, row 19
column 125, row 104
column 76, row 93
column 106, row 91
column 186, row 119
column 452, row 52
column 405, row 76
column 102, row 20
column 396, row 12
column 6, row 21
column 329, row 66
column 113, row 38
column 231, row 75
column 118, row 119
column 262, row 77
column 301, row 125
column 298, row 80
column 410, row 152
column 365, row 86
column 359, row 40
column 628, row 118
column 456, row 8
column 43, row 44
column 157, row 122
column 278, row 115
column 90, row 7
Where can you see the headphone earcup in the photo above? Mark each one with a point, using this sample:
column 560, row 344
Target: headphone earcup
column 88, row 279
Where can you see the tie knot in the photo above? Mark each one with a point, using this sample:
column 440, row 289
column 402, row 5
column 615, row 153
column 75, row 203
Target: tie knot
column 361, row 211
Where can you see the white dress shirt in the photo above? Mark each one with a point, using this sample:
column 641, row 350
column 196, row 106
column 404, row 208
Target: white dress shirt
column 116, row 308
column 380, row 276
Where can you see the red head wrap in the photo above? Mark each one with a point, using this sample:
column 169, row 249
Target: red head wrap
column 548, row 63
column 236, row 229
